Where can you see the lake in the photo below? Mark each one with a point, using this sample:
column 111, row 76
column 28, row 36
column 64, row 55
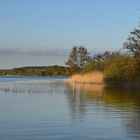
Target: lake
column 48, row 108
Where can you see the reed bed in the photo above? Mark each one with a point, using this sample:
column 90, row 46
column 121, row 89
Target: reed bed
column 89, row 78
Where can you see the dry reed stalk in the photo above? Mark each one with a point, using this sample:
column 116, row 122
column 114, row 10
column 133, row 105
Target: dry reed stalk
column 90, row 78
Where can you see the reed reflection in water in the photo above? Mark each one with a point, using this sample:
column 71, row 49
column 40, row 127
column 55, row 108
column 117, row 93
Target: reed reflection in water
column 33, row 87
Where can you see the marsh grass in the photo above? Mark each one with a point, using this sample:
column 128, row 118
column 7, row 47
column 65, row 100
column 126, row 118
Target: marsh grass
column 95, row 77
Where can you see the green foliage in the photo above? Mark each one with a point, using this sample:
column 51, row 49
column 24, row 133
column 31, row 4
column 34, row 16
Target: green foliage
column 73, row 58
column 120, row 70
column 101, row 61
column 94, row 66
column 83, row 56
column 107, row 55
column 123, row 72
column 78, row 58
column 39, row 71
column 133, row 42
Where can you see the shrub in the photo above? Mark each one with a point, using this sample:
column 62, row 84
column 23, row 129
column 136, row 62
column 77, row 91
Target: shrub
column 94, row 66
column 123, row 72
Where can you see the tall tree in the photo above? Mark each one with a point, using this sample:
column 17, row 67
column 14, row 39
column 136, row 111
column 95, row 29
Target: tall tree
column 83, row 56
column 73, row 57
column 78, row 57
column 133, row 42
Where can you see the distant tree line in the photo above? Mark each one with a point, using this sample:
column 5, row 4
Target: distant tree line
column 38, row 71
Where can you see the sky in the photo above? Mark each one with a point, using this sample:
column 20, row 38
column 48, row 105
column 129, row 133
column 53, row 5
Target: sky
column 42, row 32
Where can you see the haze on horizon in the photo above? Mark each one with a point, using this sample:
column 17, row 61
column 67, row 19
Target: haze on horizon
column 41, row 32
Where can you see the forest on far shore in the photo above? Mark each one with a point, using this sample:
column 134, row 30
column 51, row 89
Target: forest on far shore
column 38, row 71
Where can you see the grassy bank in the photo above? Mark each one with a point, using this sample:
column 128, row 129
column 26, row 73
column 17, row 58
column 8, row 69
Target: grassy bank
column 118, row 72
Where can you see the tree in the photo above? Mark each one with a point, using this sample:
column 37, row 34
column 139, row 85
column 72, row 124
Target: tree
column 107, row 55
column 83, row 56
column 73, row 58
column 133, row 42
column 78, row 57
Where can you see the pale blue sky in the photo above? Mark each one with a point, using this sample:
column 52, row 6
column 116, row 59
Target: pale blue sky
column 30, row 27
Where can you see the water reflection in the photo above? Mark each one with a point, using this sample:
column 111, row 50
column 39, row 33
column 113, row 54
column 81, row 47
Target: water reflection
column 79, row 97
column 92, row 105
column 128, row 105
column 116, row 103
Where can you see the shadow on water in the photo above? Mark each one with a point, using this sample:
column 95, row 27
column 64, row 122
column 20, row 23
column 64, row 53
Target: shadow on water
column 118, row 103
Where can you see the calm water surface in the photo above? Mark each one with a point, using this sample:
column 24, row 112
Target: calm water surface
column 44, row 108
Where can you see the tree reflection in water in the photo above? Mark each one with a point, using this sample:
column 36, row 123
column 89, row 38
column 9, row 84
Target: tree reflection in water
column 128, row 104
